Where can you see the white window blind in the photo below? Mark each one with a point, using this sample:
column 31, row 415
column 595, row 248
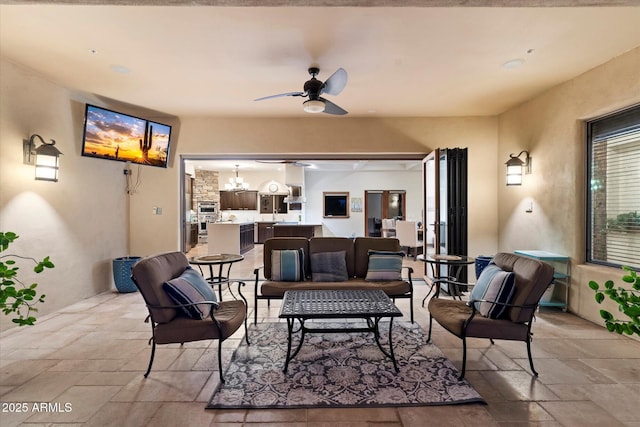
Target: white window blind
column 613, row 234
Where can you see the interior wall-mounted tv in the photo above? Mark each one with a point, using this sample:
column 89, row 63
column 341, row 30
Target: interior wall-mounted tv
column 335, row 205
column 116, row 136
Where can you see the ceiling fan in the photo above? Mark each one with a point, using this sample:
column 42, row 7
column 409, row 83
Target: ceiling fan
column 313, row 88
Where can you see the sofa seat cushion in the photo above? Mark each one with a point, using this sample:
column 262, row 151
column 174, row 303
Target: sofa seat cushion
column 451, row 315
column 229, row 314
column 277, row 289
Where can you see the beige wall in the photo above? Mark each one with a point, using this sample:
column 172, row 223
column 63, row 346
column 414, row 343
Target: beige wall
column 81, row 221
column 551, row 127
column 204, row 135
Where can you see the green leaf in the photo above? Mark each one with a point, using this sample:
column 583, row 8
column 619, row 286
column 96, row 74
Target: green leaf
column 593, row 285
column 606, row 315
column 608, row 284
column 599, row 297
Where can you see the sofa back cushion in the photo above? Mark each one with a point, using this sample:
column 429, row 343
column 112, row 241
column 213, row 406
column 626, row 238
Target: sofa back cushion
column 532, row 277
column 363, row 245
column 150, row 273
column 282, row 243
column 335, row 244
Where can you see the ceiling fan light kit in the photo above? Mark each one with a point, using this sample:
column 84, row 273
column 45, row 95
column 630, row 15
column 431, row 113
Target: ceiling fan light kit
column 313, row 106
column 313, row 88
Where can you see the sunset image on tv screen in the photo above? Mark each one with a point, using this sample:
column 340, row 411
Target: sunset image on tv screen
column 117, row 136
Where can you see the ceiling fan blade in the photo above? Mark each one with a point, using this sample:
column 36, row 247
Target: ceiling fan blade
column 334, row 84
column 331, row 108
column 280, row 95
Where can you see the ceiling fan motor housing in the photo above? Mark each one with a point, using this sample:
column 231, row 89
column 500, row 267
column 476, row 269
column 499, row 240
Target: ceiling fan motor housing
column 313, row 88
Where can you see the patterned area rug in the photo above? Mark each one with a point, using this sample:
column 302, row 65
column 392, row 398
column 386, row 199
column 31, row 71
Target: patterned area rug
column 339, row 370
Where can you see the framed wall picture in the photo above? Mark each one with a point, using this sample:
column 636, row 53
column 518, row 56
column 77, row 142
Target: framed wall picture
column 356, row 204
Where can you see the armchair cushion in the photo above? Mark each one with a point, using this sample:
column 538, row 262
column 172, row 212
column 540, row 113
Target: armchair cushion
column 384, row 266
column 329, row 267
column 287, row 265
column 500, row 289
column 188, row 289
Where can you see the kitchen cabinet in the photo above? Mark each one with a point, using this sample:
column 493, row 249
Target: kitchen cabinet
column 193, row 235
column 265, row 231
column 246, row 237
column 273, row 203
column 239, row 200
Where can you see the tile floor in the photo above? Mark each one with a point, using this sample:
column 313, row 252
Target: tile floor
column 83, row 366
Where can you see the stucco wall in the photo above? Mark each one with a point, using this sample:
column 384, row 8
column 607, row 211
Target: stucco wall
column 551, row 128
column 205, row 135
column 81, row 221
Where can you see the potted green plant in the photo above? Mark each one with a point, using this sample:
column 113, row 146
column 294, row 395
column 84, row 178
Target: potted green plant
column 628, row 301
column 16, row 298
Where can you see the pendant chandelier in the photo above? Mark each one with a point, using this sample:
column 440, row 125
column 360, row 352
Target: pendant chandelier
column 237, row 183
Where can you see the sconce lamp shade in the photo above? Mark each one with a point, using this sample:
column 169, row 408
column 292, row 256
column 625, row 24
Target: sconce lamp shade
column 313, row 106
column 46, row 159
column 515, row 168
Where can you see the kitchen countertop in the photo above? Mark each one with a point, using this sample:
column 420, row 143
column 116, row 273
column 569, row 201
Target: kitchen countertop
column 300, row 224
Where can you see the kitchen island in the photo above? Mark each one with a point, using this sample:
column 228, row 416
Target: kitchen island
column 294, row 229
column 230, row 237
column 269, row 229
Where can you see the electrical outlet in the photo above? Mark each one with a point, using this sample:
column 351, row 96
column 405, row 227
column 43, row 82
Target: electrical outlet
column 158, row 211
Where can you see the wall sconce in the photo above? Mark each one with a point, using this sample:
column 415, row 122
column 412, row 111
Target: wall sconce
column 45, row 158
column 515, row 165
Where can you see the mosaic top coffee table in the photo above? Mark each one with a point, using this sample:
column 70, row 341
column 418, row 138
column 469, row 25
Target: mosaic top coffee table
column 370, row 305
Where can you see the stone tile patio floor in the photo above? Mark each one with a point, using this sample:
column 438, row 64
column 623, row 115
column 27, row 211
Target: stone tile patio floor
column 85, row 364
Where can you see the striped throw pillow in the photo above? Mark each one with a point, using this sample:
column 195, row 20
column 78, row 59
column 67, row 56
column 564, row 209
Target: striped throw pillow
column 480, row 288
column 384, row 266
column 190, row 288
column 500, row 289
column 287, row 265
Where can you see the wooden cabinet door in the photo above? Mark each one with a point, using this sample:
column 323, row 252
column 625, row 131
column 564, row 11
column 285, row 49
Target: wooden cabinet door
column 265, row 231
column 248, row 200
column 227, row 200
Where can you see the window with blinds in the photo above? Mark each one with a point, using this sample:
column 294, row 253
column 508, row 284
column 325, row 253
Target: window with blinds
column 613, row 216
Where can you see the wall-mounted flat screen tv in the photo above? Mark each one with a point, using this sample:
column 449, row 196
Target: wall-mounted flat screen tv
column 116, row 136
column 336, row 205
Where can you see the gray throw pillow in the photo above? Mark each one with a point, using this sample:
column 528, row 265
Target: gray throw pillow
column 329, row 267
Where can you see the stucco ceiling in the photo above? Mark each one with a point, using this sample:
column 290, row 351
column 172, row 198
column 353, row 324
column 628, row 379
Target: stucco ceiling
column 194, row 59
